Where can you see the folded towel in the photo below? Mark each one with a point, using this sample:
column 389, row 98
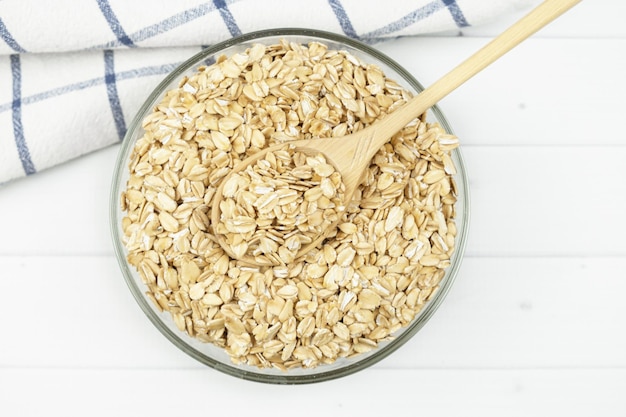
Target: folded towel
column 73, row 73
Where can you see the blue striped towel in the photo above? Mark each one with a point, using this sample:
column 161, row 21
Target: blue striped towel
column 73, row 72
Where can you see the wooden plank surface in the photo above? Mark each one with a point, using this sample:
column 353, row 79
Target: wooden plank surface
column 525, row 201
column 502, row 312
column 471, row 393
column 534, row 325
column 546, row 91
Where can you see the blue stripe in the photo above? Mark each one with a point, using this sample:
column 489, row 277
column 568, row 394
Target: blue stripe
column 227, row 17
column 209, row 61
column 18, row 130
column 114, row 23
column 147, row 71
column 407, row 20
column 114, row 99
column 342, row 17
column 456, row 13
column 124, row 75
column 6, row 36
column 164, row 25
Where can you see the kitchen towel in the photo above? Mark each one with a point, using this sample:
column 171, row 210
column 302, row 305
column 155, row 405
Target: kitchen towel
column 74, row 72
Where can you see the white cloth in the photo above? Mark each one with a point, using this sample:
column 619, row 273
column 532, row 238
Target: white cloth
column 73, row 72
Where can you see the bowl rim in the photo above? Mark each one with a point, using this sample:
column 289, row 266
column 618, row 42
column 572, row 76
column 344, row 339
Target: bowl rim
column 251, row 373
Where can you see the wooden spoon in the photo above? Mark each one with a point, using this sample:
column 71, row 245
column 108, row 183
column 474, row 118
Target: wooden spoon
column 351, row 155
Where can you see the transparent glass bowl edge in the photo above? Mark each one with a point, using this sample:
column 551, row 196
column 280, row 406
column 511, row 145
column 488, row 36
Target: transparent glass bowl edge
column 194, row 347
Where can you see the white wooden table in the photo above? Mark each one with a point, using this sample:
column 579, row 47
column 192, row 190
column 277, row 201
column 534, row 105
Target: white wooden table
column 534, row 326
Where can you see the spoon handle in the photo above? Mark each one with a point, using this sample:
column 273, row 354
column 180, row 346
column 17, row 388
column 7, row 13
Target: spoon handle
column 536, row 19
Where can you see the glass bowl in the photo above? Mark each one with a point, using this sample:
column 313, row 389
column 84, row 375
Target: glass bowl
column 210, row 354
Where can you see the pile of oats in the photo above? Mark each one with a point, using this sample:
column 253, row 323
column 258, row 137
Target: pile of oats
column 278, row 205
column 367, row 280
